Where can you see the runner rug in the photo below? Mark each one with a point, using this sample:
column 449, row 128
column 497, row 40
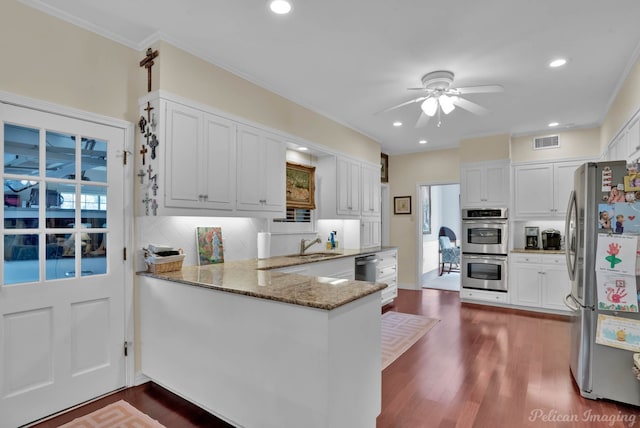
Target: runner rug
column 400, row 331
column 119, row 414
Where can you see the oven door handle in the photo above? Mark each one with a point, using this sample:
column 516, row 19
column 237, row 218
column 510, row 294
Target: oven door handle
column 484, row 257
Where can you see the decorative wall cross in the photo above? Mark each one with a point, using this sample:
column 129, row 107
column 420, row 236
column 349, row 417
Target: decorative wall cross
column 147, row 62
column 154, row 207
column 141, row 174
column 153, row 144
column 146, row 201
column 143, row 151
column 148, row 109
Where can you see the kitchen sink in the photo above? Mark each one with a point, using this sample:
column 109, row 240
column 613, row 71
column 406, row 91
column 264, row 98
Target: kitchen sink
column 317, row 255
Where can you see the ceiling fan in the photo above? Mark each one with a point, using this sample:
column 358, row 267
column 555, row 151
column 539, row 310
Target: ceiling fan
column 439, row 96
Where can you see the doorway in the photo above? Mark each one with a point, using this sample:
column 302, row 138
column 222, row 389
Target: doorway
column 439, row 205
column 62, row 286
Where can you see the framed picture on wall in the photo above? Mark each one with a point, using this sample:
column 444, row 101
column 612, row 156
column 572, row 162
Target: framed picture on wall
column 402, row 205
column 384, row 168
column 300, row 186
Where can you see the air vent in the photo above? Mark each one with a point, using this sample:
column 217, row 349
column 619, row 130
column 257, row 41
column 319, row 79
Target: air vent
column 548, row 142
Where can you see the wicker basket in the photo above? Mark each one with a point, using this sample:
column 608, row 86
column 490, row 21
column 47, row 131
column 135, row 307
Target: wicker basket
column 158, row 264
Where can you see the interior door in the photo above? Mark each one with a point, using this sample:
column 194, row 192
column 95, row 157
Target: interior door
column 62, row 283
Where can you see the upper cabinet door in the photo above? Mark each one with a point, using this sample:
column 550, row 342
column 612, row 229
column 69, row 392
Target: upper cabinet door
column 200, row 159
column 533, row 190
column 261, row 171
column 370, row 191
column 485, row 184
column 348, row 187
column 183, row 156
column 218, row 163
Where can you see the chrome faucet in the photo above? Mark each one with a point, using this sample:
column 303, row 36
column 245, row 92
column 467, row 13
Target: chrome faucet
column 304, row 245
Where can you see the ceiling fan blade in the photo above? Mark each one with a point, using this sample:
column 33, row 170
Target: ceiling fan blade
column 423, row 119
column 416, row 89
column 479, row 89
column 470, row 106
column 415, row 100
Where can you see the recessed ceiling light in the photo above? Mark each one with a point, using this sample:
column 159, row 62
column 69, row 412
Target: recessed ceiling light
column 302, row 149
column 422, row 142
column 552, row 124
column 281, row 7
column 396, row 123
column 557, row 62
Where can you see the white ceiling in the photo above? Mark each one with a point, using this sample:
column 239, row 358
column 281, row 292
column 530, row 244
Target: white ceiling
column 351, row 59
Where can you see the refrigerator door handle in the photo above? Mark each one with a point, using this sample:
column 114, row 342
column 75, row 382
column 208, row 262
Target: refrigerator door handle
column 571, row 303
column 570, row 235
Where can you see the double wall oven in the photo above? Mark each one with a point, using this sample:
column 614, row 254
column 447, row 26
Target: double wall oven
column 484, row 244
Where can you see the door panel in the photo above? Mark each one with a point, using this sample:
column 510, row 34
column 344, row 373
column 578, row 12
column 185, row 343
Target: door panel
column 62, row 283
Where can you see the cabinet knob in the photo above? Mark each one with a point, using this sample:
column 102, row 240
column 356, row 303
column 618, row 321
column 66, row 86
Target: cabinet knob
column 263, row 201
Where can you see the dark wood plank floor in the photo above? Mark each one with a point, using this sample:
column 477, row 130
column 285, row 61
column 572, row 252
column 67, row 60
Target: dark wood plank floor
column 479, row 367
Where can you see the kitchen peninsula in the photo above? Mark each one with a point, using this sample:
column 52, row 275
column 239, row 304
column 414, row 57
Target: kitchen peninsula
column 261, row 348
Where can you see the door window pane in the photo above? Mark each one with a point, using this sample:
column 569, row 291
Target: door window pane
column 21, row 154
column 94, row 160
column 60, row 155
column 18, row 211
column 94, row 259
column 93, row 202
column 21, row 259
column 60, row 203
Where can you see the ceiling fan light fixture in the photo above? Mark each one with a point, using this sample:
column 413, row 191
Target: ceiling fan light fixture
column 430, row 106
column 280, row 7
column 446, row 103
column 557, row 62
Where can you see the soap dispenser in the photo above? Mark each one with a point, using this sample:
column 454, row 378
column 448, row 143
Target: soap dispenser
column 332, row 238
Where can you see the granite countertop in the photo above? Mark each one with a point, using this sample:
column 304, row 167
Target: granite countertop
column 538, row 251
column 256, row 278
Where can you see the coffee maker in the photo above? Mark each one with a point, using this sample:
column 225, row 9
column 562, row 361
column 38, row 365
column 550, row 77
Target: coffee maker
column 531, row 237
column 551, row 239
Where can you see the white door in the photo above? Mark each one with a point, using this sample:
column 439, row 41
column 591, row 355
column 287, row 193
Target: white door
column 62, row 282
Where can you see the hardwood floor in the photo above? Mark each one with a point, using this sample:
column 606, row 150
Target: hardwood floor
column 479, row 367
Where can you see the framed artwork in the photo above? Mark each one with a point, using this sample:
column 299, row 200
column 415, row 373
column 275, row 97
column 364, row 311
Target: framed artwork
column 426, row 209
column 384, row 168
column 301, row 186
column 402, row 205
column 210, row 248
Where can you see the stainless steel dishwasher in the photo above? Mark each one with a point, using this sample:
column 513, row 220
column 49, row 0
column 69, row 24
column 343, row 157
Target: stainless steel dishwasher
column 366, row 268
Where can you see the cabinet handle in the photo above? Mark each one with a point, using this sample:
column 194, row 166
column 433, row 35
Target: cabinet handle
column 263, row 201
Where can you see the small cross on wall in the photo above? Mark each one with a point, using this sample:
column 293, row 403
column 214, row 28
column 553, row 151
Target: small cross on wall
column 143, row 151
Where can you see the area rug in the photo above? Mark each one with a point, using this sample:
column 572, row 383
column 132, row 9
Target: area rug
column 400, row 331
column 119, row 414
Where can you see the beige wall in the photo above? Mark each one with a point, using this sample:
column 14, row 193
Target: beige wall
column 405, row 172
column 579, row 143
column 493, row 147
column 623, row 107
column 188, row 76
column 48, row 59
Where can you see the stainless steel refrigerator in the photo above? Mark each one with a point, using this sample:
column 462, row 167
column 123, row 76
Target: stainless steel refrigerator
column 599, row 371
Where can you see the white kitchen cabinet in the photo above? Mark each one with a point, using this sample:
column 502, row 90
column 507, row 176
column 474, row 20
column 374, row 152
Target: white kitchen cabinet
column 200, row 159
column 485, row 184
column 338, row 181
column 370, row 232
column 626, row 144
column 348, row 189
column 387, row 273
column 206, row 164
column 261, row 171
column 542, row 190
column 370, row 191
column 484, row 296
column 539, row 281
